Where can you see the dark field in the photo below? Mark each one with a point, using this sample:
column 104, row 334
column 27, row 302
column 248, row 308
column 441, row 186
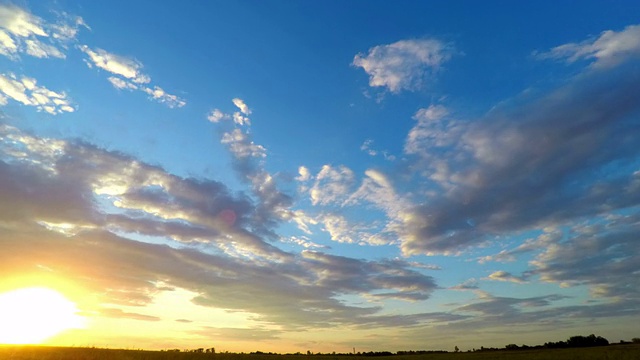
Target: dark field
column 616, row 352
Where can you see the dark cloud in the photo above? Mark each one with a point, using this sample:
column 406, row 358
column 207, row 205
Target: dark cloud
column 534, row 162
column 604, row 255
column 74, row 213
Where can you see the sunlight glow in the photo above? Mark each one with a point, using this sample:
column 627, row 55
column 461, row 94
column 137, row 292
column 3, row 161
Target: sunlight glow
column 31, row 315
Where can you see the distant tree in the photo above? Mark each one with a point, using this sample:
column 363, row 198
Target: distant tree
column 511, row 347
column 635, row 340
column 456, row 349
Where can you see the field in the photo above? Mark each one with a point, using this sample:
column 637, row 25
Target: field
column 618, row 352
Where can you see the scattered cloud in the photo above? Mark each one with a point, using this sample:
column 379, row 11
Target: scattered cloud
column 607, row 50
column 239, row 103
column 332, row 185
column 241, row 145
column 24, row 33
column 609, row 245
column 158, row 94
column 367, row 146
column 526, row 164
column 26, row 91
column 128, row 68
column 216, row 116
column 470, row 284
column 403, row 65
column 129, row 75
column 502, row 275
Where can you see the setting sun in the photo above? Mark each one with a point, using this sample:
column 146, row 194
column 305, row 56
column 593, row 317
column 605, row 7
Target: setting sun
column 31, row 315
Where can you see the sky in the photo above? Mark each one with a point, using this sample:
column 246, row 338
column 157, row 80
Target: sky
column 323, row 175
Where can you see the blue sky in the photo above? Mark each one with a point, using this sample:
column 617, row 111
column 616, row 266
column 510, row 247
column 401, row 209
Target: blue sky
column 292, row 176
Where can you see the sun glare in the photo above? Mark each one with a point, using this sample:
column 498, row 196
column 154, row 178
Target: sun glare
column 32, row 315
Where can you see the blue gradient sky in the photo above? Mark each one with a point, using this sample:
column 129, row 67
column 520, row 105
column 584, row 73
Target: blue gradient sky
column 319, row 175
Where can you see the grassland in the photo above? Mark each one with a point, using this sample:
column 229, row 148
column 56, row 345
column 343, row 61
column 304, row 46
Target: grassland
column 617, row 352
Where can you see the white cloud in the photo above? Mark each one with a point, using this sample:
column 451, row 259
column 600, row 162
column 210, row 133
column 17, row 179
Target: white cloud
column 403, row 65
column 241, row 146
column 131, row 70
column 242, row 106
column 609, row 49
column 157, row 93
column 23, row 32
column 216, row 115
column 20, row 22
column 116, row 64
column 26, row 91
column 241, row 120
column 118, row 83
column 8, row 46
column 41, row 50
column 303, row 174
column 332, row 185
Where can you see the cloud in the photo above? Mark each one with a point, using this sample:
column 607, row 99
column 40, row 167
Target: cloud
column 603, row 255
column 239, row 103
column 216, row 116
column 607, row 50
column 506, row 276
column 120, row 314
column 48, row 181
column 131, row 75
column 403, row 65
column 120, row 84
column 528, row 163
column 367, row 146
column 128, row 68
column 303, row 174
column 23, row 32
column 157, row 93
column 26, row 91
column 240, row 271
column 470, row 284
column 332, row 185
column 241, row 145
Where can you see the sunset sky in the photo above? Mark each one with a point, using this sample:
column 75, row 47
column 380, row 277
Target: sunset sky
column 322, row 175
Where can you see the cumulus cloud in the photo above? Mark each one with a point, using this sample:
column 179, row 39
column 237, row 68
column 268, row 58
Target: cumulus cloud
column 26, row 91
column 23, row 32
column 239, row 103
column 216, row 116
column 239, row 271
column 526, row 164
column 608, row 49
column 403, row 65
column 609, row 245
column 241, row 146
column 332, row 185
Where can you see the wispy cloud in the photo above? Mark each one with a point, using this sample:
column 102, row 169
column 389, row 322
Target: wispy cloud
column 512, row 171
column 240, row 271
column 502, row 275
column 608, row 49
column 23, row 32
column 129, row 75
column 403, row 65
column 26, row 91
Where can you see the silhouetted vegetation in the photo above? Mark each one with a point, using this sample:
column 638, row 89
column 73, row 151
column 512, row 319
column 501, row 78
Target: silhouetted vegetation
column 590, row 347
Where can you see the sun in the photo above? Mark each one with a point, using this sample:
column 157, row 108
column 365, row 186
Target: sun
column 32, row 315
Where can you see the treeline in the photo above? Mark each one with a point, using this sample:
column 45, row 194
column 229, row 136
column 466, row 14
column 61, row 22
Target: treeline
column 573, row 342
